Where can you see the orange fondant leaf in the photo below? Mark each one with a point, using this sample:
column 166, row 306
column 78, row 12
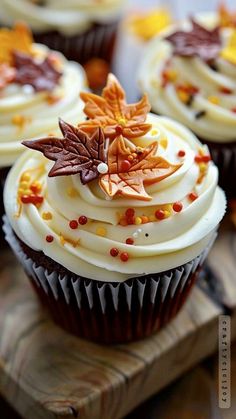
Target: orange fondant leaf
column 127, row 176
column 226, row 17
column 113, row 114
column 7, row 75
column 17, row 39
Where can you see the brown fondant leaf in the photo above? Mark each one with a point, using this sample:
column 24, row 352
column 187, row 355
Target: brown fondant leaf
column 7, row 75
column 75, row 153
column 146, row 169
column 17, row 39
column 42, row 76
column 227, row 18
column 111, row 112
column 200, row 42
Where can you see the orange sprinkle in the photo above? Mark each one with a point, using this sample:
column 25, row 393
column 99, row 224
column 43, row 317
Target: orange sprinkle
column 145, row 219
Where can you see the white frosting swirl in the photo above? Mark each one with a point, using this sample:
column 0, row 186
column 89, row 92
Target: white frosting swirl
column 41, row 116
column 219, row 121
column 69, row 17
column 158, row 245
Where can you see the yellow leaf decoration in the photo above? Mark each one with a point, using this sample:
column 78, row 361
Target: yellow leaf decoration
column 130, row 168
column 147, row 25
column 227, row 18
column 111, row 112
column 17, row 39
column 229, row 52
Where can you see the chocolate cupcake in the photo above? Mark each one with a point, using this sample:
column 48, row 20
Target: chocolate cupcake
column 189, row 74
column 36, row 86
column 81, row 29
column 121, row 219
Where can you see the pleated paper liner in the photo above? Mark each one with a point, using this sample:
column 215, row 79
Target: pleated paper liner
column 224, row 156
column 107, row 312
column 3, row 174
column 97, row 42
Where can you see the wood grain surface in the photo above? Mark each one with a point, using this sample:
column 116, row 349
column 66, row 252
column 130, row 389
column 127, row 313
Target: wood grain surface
column 46, row 373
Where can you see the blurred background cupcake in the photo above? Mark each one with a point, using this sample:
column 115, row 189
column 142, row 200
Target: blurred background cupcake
column 189, row 73
column 80, row 29
column 125, row 219
column 36, row 86
column 137, row 29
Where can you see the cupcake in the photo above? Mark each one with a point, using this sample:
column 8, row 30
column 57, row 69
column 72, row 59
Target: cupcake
column 36, row 86
column 80, row 29
column 122, row 218
column 136, row 30
column 189, row 74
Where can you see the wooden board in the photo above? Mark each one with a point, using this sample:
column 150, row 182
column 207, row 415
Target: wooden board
column 46, row 373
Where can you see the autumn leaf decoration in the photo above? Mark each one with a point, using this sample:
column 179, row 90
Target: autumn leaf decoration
column 17, row 39
column 227, row 18
column 122, row 168
column 128, row 179
column 199, row 41
column 111, row 112
column 76, row 153
column 18, row 63
column 42, row 76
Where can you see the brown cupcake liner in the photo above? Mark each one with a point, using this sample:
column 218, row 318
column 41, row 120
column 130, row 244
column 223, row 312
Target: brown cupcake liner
column 108, row 312
column 224, row 156
column 3, row 175
column 97, row 42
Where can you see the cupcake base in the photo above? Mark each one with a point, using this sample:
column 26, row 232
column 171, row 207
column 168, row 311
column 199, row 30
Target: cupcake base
column 3, row 175
column 224, row 156
column 97, row 42
column 106, row 312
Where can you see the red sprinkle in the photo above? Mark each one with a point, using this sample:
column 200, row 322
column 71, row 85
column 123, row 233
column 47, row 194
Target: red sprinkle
column 114, row 252
column 129, row 212
column 233, row 110
column 129, row 240
column 25, row 199
column 83, row 220
column 177, row 206
column 124, row 257
column 125, row 166
column 202, row 159
column 160, row 215
column 32, row 199
column 206, row 158
column 181, row 153
column 198, row 159
column 225, row 90
column 36, row 199
column 193, row 196
column 49, row 238
column 130, row 220
column 73, row 224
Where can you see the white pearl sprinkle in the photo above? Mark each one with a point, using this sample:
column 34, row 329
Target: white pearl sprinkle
column 102, row 168
column 135, row 235
column 28, row 89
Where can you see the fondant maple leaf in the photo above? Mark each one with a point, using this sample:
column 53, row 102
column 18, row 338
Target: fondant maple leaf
column 128, row 179
column 17, row 39
column 200, row 42
column 227, row 18
column 111, row 112
column 75, row 153
column 7, row 75
column 42, row 76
